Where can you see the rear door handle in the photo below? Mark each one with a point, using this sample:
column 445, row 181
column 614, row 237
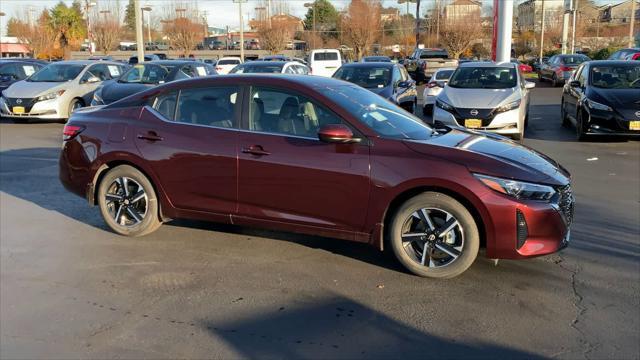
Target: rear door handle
column 150, row 136
column 255, row 150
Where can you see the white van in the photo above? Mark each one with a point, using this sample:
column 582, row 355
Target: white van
column 324, row 62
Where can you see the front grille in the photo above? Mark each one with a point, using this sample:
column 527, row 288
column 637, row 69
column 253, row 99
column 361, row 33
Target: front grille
column 486, row 115
column 27, row 103
column 566, row 203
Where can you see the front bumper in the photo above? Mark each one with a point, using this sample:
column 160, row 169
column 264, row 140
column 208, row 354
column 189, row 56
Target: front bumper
column 547, row 225
column 609, row 123
column 505, row 123
column 47, row 110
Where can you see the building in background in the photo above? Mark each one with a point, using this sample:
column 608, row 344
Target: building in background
column 619, row 13
column 12, row 47
column 529, row 14
column 462, row 9
column 389, row 14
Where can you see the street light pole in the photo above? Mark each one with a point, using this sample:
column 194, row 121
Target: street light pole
column 541, row 34
column 241, row 27
column 633, row 20
column 139, row 36
column 147, row 8
column 2, row 14
column 573, row 29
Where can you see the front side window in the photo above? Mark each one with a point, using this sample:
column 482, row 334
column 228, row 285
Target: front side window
column 10, row 70
column 574, row 59
column 284, row 112
column 369, row 77
column 484, row 78
column 625, row 76
column 57, row 73
column 211, row 106
column 444, row 74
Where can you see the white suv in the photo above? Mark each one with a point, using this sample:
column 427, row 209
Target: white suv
column 486, row 96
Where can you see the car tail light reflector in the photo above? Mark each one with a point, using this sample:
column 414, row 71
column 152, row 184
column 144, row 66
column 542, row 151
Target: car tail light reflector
column 71, row 131
column 432, row 84
column 565, row 68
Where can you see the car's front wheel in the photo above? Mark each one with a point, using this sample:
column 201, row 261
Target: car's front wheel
column 128, row 202
column 434, row 235
column 563, row 114
column 581, row 133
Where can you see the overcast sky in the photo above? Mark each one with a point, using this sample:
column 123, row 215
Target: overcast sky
column 220, row 13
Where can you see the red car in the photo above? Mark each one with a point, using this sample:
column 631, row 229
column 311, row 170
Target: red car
column 524, row 68
column 318, row 156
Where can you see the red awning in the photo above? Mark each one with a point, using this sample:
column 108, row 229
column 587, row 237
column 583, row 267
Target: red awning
column 14, row 48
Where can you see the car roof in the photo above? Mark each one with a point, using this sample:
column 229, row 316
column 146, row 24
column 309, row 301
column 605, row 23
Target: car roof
column 314, row 82
column 487, row 64
column 444, row 69
column 82, row 62
column 266, row 63
column 371, row 64
column 613, row 62
column 172, row 62
column 20, row 60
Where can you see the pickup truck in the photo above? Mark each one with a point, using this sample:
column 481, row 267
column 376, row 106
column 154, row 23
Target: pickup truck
column 424, row 62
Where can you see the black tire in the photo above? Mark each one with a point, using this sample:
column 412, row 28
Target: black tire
column 563, row 115
column 74, row 105
column 540, row 78
column 466, row 229
column 554, row 81
column 427, row 110
column 111, row 185
column 581, row 134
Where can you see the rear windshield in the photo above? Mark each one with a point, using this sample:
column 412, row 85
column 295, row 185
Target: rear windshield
column 257, row 69
column 325, row 56
column 229, row 62
column 574, row 59
column 146, row 74
column 484, row 78
column 434, row 55
column 444, row 74
column 616, row 76
column 367, row 77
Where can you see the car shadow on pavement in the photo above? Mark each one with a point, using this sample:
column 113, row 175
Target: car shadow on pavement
column 338, row 327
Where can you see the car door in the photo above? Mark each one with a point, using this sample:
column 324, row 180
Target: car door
column 287, row 175
column 547, row 68
column 189, row 137
column 577, row 92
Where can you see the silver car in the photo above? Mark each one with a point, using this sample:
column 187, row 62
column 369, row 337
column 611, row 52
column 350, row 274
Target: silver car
column 486, row 96
column 57, row 89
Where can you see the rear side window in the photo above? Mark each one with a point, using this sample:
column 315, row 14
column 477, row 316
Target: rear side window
column 325, row 56
column 211, row 106
column 165, row 104
column 444, row 74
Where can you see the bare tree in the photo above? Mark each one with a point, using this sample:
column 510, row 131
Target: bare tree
column 275, row 33
column 183, row 26
column 458, row 35
column 36, row 33
column 360, row 25
column 106, row 33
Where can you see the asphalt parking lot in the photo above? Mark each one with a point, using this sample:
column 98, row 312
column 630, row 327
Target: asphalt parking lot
column 70, row 288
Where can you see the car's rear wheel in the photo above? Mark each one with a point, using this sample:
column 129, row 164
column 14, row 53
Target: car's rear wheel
column 128, row 202
column 581, row 134
column 563, row 114
column 74, row 105
column 433, row 235
column 554, row 80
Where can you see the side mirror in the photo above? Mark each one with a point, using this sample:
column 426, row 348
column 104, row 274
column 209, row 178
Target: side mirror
column 529, row 85
column 441, row 83
column 575, row 84
column 93, row 80
column 337, row 134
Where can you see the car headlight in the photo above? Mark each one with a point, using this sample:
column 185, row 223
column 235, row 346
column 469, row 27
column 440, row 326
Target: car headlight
column 518, row 189
column 443, row 105
column 510, row 106
column 597, row 106
column 51, row 95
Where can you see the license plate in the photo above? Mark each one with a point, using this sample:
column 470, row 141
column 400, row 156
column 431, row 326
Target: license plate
column 473, row 123
column 18, row 109
column 634, row 125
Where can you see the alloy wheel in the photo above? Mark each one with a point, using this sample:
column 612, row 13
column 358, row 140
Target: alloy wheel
column 126, row 201
column 432, row 237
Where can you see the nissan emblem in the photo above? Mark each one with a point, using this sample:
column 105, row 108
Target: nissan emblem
column 473, row 112
column 19, row 101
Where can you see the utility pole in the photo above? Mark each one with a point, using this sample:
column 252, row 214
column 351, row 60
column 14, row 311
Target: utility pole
column 417, row 23
column 633, row 20
column 542, row 35
column 239, row 2
column 573, row 29
column 139, row 36
column 504, row 29
column 437, row 22
column 565, row 30
column 2, row 14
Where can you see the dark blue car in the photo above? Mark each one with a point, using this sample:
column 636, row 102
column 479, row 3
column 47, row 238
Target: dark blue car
column 389, row 80
column 12, row 70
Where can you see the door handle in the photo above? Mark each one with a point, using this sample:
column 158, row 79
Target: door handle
column 255, row 150
column 150, row 136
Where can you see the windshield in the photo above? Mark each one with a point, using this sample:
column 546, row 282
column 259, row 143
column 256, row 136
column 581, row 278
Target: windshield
column 57, row 73
column 574, row 59
column 228, row 62
column 257, row 69
column 367, row 77
column 377, row 59
column 146, row 74
column 381, row 116
column 325, row 56
column 616, row 76
column 444, row 74
column 484, row 78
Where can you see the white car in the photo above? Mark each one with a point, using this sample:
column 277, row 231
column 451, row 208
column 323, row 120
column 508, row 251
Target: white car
column 225, row 64
column 485, row 96
column 271, row 67
column 57, row 89
column 433, row 88
column 324, row 62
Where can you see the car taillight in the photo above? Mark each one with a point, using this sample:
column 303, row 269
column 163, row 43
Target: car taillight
column 71, row 131
column 432, row 84
column 565, row 68
column 218, row 68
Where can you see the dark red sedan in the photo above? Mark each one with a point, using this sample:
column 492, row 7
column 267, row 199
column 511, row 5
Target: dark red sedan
column 317, row 156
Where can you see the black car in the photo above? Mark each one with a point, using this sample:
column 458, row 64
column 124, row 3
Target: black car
column 12, row 70
column 152, row 57
column 603, row 98
column 376, row 59
column 149, row 74
column 389, row 80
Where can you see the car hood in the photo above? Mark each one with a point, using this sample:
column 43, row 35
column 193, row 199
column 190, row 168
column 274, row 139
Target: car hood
column 494, row 155
column 477, row 98
column 625, row 101
column 385, row 92
column 30, row 89
column 114, row 91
